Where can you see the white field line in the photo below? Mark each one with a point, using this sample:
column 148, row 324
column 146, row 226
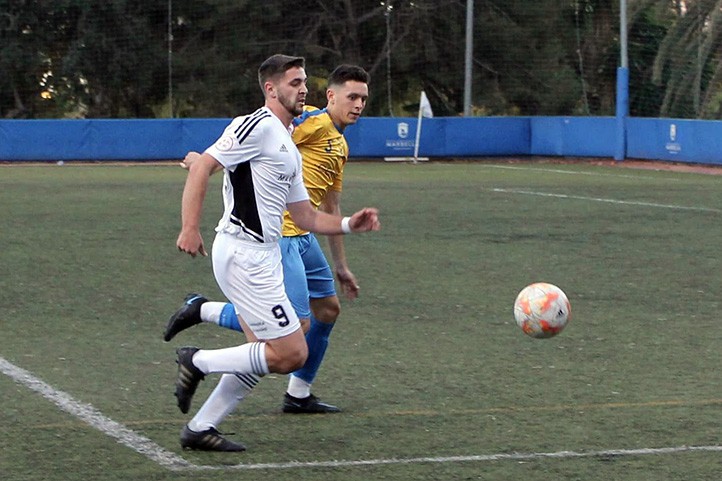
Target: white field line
column 464, row 459
column 609, row 201
column 575, row 172
column 91, row 416
column 146, row 447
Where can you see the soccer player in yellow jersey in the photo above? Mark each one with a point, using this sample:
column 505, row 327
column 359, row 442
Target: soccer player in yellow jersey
column 309, row 282
column 308, row 278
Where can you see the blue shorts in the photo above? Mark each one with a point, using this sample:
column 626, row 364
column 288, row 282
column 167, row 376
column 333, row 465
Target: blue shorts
column 306, row 273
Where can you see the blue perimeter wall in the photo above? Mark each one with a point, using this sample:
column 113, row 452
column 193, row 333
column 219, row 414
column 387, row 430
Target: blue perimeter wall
column 691, row 141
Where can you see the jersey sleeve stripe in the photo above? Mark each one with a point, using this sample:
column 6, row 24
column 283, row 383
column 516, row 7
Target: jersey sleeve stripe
column 247, row 119
column 246, row 131
column 258, row 114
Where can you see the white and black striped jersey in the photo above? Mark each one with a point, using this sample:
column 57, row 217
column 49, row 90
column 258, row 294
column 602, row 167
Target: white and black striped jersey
column 262, row 174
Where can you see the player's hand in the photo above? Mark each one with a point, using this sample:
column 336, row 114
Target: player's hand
column 189, row 159
column 365, row 220
column 191, row 242
column 349, row 286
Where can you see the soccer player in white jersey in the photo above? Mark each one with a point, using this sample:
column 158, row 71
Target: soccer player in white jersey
column 308, row 278
column 262, row 178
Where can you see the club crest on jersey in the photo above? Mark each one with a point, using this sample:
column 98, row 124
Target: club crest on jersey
column 225, row 143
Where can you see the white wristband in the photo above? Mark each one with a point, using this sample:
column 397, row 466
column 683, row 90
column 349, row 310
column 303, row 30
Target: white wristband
column 345, row 228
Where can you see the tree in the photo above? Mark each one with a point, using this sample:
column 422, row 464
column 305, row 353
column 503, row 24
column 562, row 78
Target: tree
column 32, row 34
column 689, row 62
column 115, row 64
column 531, row 57
column 646, row 32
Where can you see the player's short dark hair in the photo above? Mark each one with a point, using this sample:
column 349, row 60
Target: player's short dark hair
column 345, row 72
column 278, row 64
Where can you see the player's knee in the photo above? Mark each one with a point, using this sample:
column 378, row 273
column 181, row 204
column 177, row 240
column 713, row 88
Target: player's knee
column 328, row 312
column 292, row 359
column 291, row 364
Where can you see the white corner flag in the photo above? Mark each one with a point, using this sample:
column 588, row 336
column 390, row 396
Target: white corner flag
column 424, row 111
column 425, row 106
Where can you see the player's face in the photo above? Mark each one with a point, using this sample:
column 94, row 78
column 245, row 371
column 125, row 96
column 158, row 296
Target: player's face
column 291, row 90
column 347, row 101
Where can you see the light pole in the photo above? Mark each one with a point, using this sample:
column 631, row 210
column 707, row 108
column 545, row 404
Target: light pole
column 170, row 57
column 468, row 56
column 622, row 107
column 387, row 14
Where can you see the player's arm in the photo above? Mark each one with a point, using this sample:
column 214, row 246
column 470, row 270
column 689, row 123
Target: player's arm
column 332, row 205
column 192, row 157
column 310, row 219
column 194, row 192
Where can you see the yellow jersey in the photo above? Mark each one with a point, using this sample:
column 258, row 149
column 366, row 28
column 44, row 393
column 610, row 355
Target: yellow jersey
column 324, row 151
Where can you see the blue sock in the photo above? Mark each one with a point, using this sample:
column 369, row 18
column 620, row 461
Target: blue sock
column 317, row 340
column 229, row 319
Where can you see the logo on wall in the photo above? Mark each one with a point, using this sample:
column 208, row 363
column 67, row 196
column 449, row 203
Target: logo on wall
column 401, row 143
column 673, row 147
column 402, row 129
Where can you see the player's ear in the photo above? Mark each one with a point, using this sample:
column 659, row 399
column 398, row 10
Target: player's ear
column 331, row 96
column 269, row 89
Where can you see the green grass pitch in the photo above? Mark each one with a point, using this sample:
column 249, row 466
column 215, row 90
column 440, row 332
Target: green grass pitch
column 435, row 379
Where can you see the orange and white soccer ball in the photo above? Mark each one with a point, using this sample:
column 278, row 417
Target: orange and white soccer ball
column 542, row 310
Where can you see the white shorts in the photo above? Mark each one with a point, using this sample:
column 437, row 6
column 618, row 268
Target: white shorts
column 251, row 277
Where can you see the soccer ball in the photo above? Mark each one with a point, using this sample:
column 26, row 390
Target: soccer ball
column 542, row 310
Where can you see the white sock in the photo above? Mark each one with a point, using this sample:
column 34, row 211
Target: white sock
column 248, row 358
column 230, row 391
column 211, row 311
column 297, row 387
